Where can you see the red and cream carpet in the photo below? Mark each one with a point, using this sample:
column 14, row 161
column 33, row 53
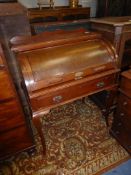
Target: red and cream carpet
column 78, row 143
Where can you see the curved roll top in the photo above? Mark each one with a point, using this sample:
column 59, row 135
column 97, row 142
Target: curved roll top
column 48, row 66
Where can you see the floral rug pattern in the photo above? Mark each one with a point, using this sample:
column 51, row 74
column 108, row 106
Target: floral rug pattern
column 77, row 141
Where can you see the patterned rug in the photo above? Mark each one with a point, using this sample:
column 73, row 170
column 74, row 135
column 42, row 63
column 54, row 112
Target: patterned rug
column 78, row 143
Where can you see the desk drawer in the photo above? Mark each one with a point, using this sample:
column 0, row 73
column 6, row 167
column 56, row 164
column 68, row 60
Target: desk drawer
column 124, row 117
column 123, row 136
column 1, row 63
column 10, row 115
column 126, row 85
column 14, row 141
column 60, row 94
column 125, row 103
column 6, row 90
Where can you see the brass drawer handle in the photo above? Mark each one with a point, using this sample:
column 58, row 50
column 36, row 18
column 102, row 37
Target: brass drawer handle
column 2, row 66
column 57, row 99
column 79, row 75
column 124, row 103
column 129, row 146
column 119, row 124
column 117, row 132
column 100, row 84
column 122, row 114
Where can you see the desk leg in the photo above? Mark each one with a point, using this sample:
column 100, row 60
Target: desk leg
column 110, row 105
column 38, row 125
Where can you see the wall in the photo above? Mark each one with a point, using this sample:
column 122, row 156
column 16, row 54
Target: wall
column 33, row 3
column 85, row 3
column 90, row 3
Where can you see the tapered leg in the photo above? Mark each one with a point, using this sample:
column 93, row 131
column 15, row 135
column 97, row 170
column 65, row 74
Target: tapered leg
column 38, row 125
column 110, row 104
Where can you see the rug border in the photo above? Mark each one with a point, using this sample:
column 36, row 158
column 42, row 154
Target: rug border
column 105, row 170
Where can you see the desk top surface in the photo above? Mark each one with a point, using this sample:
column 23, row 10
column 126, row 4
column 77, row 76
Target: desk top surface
column 127, row 74
column 115, row 21
column 56, row 8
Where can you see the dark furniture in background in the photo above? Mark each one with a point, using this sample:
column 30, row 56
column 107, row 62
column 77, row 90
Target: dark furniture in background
column 15, row 114
column 118, row 31
column 5, row 1
column 58, row 14
column 15, row 127
column 121, row 127
column 113, row 8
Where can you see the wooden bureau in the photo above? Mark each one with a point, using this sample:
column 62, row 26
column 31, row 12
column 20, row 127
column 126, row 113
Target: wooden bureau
column 15, row 135
column 58, row 14
column 121, row 127
column 63, row 66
